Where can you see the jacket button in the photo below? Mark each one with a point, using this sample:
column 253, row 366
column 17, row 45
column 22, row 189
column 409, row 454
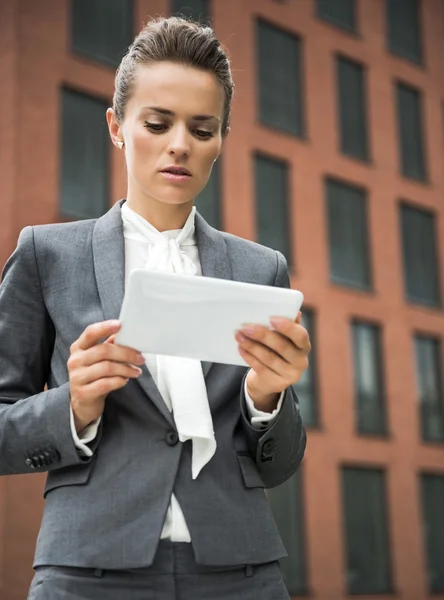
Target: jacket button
column 42, row 457
column 29, row 462
column 268, row 450
column 172, row 438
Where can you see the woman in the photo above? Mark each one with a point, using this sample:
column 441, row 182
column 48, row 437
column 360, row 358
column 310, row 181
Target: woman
column 156, row 466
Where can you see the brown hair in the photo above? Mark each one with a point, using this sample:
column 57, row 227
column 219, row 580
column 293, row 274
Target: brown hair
column 178, row 40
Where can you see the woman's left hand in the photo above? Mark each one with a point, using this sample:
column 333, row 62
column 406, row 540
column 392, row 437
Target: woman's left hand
column 277, row 358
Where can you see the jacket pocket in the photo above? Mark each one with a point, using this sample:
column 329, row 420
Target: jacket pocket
column 77, row 475
column 250, row 472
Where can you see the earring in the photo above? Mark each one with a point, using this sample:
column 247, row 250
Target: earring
column 119, row 145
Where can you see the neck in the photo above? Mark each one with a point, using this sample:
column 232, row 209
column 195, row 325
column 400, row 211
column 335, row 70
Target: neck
column 162, row 216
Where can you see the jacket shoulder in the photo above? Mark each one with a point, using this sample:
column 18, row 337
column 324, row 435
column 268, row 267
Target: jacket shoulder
column 65, row 233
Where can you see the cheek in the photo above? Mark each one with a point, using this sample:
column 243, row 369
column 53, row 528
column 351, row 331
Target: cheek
column 209, row 156
column 142, row 144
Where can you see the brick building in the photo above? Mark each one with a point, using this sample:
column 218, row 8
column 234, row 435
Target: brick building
column 335, row 158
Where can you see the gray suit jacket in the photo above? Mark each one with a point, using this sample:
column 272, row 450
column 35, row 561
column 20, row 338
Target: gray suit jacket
column 108, row 511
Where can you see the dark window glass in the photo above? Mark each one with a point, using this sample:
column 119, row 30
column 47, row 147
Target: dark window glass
column 208, row 201
column 279, row 79
column 433, row 510
column 348, row 237
column 421, row 277
column 286, row 504
column 198, row 10
column 272, row 204
column 410, row 132
column 306, row 387
column 338, row 12
column 367, row 543
column 85, row 152
column 352, row 108
column 102, row 29
column 428, row 374
column 403, row 28
column 369, row 393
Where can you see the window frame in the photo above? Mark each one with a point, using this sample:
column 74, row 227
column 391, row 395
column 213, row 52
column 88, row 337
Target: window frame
column 411, row 299
column 345, row 282
column 424, row 167
column 418, row 335
column 378, row 329
column 366, row 157
column 87, row 54
column 406, row 56
column 63, row 214
column 336, row 23
column 300, row 130
column 387, row 525
column 258, row 153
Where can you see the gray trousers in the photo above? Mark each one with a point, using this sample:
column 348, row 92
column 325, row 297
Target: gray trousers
column 174, row 575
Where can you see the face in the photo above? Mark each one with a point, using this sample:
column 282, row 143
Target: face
column 171, row 131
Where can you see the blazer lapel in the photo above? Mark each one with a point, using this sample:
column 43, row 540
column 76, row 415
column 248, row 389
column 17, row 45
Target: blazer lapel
column 109, row 265
column 213, row 257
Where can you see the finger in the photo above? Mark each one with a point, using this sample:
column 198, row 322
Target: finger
column 279, row 343
column 266, row 356
column 104, row 386
column 111, row 339
column 94, row 333
column 104, row 369
column 298, row 318
column 293, row 331
column 273, row 379
column 106, row 351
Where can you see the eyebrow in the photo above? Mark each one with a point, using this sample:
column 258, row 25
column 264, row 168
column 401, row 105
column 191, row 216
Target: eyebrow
column 170, row 113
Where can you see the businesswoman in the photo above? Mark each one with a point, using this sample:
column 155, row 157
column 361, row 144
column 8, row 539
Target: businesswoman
column 156, row 465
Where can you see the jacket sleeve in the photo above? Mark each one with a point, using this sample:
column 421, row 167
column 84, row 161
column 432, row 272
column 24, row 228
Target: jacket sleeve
column 35, row 430
column 279, row 449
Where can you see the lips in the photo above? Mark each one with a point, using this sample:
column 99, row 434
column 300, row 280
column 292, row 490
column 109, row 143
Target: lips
column 177, row 171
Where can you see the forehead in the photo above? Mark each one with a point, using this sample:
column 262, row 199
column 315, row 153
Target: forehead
column 182, row 89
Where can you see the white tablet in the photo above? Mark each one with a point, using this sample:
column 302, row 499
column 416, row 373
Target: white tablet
column 197, row 317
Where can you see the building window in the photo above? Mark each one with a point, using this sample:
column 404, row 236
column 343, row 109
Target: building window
column 348, row 236
column 432, row 488
column 367, row 542
column 352, row 108
column 421, row 273
column 306, row 387
column 279, row 79
column 198, row 10
column 272, row 204
column 85, row 156
column 429, row 382
column 403, row 29
column 338, row 12
column 410, row 132
column 369, row 389
column 102, row 29
column 287, row 506
column 208, row 201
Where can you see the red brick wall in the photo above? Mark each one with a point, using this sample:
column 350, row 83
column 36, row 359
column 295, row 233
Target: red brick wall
column 35, row 60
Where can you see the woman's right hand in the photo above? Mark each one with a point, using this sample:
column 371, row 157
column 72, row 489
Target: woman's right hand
column 96, row 369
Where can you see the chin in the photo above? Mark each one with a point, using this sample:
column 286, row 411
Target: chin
column 174, row 199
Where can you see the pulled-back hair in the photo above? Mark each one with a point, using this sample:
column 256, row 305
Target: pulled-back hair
column 179, row 40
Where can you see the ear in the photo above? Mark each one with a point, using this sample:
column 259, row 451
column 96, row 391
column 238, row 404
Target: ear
column 114, row 128
column 225, row 135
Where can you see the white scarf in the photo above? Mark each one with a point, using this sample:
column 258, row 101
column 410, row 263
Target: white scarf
column 183, row 376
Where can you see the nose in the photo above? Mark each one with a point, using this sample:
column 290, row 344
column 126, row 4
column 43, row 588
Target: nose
column 179, row 145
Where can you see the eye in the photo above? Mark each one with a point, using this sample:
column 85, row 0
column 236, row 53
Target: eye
column 155, row 127
column 201, row 133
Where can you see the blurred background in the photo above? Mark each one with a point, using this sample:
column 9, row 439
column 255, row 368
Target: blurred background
column 335, row 158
